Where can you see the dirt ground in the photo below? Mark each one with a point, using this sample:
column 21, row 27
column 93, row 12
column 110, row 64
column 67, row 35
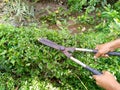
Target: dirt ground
column 72, row 25
column 42, row 9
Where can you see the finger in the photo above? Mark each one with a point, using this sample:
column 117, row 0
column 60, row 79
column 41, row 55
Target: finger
column 97, row 83
column 105, row 55
column 103, row 71
column 111, row 50
column 95, row 77
column 107, row 72
column 98, row 54
column 97, row 47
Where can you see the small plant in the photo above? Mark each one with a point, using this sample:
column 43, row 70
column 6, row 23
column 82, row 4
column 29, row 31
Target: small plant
column 116, row 6
column 20, row 10
column 85, row 19
column 76, row 5
column 115, row 27
column 110, row 13
column 88, row 6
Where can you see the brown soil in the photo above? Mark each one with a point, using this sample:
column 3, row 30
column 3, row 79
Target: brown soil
column 45, row 8
column 42, row 9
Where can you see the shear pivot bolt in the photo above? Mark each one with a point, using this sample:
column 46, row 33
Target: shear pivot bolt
column 62, row 48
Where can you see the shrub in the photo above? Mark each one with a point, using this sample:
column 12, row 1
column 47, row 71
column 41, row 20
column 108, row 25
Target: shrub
column 88, row 5
column 22, row 56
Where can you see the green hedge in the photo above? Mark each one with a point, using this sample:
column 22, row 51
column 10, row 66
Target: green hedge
column 22, row 57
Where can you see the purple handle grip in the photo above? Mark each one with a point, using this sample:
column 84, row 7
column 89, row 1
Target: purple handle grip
column 109, row 53
column 94, row 71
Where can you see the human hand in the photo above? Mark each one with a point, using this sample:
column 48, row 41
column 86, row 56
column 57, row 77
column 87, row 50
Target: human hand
column 107, row 81
column 107, row 47
column 103, row 49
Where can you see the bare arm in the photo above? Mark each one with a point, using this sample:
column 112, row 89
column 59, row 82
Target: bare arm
column 107, row 81
column 115, row 44
column 107, row 47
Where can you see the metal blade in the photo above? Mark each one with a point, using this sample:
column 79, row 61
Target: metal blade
column 51, row 44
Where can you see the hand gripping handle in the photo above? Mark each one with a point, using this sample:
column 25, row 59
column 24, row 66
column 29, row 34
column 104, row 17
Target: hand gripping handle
column 109, row 53
column 95, row 51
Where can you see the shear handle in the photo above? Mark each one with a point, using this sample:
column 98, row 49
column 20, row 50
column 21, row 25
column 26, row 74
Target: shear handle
column 95, row 51
column 94, row 71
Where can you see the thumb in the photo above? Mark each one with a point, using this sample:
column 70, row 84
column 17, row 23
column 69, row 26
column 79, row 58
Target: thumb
column 95, row 77
column 97, row 55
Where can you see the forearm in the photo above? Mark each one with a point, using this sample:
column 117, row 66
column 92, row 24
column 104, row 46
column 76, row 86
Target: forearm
column 115, row 44
column 114, row 87
column 117, row 87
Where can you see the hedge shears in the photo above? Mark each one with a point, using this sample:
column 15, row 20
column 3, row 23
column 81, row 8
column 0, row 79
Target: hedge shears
column 68, row 52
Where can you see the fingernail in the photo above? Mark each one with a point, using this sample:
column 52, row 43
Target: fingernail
column 95, row 57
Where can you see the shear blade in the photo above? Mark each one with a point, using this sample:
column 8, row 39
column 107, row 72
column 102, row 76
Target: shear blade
column 50, row 43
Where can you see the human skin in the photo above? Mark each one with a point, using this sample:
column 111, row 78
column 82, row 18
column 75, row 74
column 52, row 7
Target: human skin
column 107, row 80
column 107, row 47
